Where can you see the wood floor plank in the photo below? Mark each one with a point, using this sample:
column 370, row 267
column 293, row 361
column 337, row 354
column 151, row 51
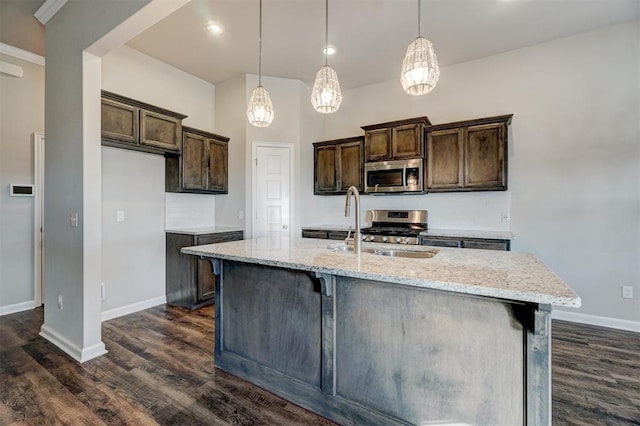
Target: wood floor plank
column 159, row 371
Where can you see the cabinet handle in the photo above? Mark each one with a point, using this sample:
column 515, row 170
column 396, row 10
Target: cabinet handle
column 285, row 227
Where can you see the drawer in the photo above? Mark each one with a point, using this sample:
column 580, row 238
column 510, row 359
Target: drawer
column 440, row 242
column 218, row 238
column 486, row 245
column 306, row 233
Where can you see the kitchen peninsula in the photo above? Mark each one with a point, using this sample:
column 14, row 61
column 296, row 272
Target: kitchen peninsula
column 463, row 336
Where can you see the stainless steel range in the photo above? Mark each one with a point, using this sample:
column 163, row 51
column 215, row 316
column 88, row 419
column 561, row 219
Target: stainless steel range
column 395, row 226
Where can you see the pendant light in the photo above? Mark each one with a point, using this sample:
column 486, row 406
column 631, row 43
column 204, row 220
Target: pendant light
column 260, row 109
column 420, row 70
column 326, row 95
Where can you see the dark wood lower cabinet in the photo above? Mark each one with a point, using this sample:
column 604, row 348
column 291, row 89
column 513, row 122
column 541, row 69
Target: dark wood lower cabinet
column 324, row 234
column 191, row 282
column 474, row 243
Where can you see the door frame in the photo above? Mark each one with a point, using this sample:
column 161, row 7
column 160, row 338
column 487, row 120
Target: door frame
column 38, row 217
column 254, row 174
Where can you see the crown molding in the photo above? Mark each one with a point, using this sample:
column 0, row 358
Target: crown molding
column 48, row 9
column 21, row 54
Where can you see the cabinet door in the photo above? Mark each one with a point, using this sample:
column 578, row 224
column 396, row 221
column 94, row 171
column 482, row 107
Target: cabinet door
column 440, row 242
column 312, row 233
column 377, row 145
column 350, row 166
column 486, row 245
column 484, row 157
column 119, row 121
column 326, row 179
column 218, row 175
column 160, row 131
column 407, row 141
column 206, row 280
column 194, row 170
column 445, row 160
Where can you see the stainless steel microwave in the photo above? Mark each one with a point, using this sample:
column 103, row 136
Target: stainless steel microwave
column 394, row 176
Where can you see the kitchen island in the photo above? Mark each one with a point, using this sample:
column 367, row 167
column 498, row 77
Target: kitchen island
column 461, row 337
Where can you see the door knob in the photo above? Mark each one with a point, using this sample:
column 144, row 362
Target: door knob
column 285, row 227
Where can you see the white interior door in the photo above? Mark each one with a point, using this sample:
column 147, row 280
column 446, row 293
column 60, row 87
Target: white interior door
column 272, row 187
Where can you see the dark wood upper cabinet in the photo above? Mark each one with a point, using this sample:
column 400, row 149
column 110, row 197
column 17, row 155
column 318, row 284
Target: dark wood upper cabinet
column 338, row 165
column 445, row 159
column 120, row 122
column 194, row 166
column 378, row 145
column 395, row 140
column 203, row 165
column 218, row 163
column 160, row 131
column 131, row 124
column 485, row 165
column 468, row 155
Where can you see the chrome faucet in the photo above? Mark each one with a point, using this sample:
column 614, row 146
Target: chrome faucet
column 357, row 238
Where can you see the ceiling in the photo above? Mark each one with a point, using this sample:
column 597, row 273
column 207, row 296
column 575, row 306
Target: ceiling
column 371, row 35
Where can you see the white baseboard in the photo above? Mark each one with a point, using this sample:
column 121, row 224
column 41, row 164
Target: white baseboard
column 80, row 355
column 596, row 320
column 18, row 307
column 134, row 307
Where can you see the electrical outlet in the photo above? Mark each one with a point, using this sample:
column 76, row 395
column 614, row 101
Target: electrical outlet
column 240, row 214
column 504, row 217
column 60, row 301
column 102, row 292
column 627, row 292
column 120, row 216
column 73, row 219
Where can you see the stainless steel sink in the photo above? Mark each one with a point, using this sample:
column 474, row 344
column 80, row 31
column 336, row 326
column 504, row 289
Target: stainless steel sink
column 350, row 249
column 414, row 254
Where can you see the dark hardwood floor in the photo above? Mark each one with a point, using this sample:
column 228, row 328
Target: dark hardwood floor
column 159, row 370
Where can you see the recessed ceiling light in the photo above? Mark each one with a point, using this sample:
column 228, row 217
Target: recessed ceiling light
column 330, row 50
column 215, row 28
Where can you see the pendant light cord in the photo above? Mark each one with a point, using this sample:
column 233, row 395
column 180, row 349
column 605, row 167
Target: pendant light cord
column 260, row 48
column 419, row 14
column 326, row 31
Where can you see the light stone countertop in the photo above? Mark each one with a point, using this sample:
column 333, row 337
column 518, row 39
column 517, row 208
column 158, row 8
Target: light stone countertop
column 497, row 274
column 467, row 233
column 455, row 233
column 203, row 230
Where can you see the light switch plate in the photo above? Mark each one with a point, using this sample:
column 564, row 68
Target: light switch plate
column 120, row 216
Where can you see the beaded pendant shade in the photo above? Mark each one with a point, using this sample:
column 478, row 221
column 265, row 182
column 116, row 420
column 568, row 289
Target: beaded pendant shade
column 326, row 95
column 420, row 71
column 260, row 108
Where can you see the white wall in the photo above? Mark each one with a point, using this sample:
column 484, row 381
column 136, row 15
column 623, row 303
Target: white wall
column 21, row 114
column 231, row 119
column 574, row 160
column 133, row 251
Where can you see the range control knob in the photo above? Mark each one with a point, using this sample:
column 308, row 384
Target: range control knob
column 406, row 240
column 398, row 240
column 385, row 239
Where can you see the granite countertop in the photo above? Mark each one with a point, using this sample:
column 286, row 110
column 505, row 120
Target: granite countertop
column 498, row 274
column 327, row 227
column 455, row 233
column 467, row 233
column 202, row 230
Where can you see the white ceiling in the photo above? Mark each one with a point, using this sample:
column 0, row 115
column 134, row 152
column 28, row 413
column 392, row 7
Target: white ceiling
column 371, row 35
